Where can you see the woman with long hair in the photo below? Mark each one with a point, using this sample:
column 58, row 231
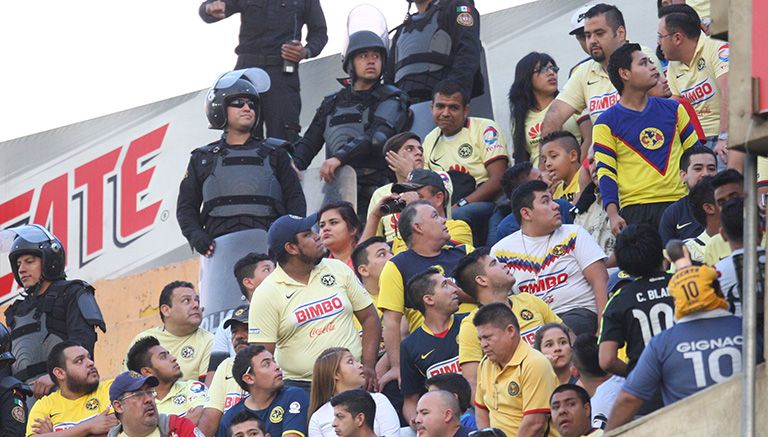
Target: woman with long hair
column 339, row 230
column 530, row 96
column 337, row 371
column 554, row 341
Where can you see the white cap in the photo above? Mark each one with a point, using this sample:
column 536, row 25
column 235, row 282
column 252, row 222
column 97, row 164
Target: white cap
column 578, row 18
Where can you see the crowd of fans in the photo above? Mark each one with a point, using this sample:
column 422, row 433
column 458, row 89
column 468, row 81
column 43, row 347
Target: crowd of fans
column 586, row 273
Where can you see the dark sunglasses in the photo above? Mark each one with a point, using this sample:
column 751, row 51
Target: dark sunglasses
column 544, row 69
column 239, row 103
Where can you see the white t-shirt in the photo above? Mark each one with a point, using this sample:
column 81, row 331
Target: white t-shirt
column 729, row 282
column 222, row 341
column 385, row 424
column 551, row 266
column 603, row 399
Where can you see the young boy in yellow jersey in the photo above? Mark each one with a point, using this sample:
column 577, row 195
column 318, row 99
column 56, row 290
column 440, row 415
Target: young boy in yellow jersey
column 562, row 159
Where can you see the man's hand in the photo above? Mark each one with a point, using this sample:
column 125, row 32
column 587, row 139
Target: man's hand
column 102, row 423
column 371, row 383
column 42, row 386
column 393, row 374
column 194, row 414
column 401, row 166
column 721, row 149
column 216, row 9
column 42, row 425
column 617, row 223
column 328, row 169
column 293, row 51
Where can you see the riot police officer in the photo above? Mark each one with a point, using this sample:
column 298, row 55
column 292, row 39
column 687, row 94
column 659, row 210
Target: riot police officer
column 441, row 41
column 354, row 123
column 54, row 309
column 235, row 187
column 13, row 392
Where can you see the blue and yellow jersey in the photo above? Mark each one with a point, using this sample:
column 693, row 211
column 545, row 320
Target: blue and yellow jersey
column 424, row 354
column 638, row 153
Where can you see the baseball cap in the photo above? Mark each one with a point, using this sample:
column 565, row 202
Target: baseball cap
column 284, row 230
column 617, row 279
column 419, row 178
column 694, row 289
column 239, row 315
column 130, row 381
column 578, row 18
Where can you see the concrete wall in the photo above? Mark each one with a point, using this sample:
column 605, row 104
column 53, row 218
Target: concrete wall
column 712, row 412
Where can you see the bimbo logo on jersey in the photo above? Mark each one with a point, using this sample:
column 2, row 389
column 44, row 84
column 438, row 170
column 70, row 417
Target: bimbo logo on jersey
column 598, row 104
column 529, row 335
column 700, row 92
column 447, row 366
column 121, row 175
column 317, row 310
column 544, row 284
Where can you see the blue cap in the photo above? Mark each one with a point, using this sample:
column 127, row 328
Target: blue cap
column 130, row 381
column 284, row 230
column 617, row 279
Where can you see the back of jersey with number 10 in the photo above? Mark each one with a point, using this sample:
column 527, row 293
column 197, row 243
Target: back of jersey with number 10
column 637, row 312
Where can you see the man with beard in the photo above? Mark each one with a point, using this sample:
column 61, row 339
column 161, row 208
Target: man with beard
column 181, row 334
column 589, row 86
column 81, row 406
column 133, row 398
column 224, row 391
column 309, row 304
column 182, row 398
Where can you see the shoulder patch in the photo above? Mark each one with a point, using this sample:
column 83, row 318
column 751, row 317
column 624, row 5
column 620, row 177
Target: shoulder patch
column 465, row 19
column 19, row 414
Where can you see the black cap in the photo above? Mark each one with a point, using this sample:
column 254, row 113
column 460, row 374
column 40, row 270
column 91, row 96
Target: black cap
column 240, row 315
column 420, row 178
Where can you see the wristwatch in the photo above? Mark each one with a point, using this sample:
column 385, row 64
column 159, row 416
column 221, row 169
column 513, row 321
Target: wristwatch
column 723, row 136
column 462, row 202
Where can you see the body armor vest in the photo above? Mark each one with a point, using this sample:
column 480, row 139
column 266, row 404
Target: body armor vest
column 344, row 123
column 242, row 183
column 37, row 331
column 422, row 47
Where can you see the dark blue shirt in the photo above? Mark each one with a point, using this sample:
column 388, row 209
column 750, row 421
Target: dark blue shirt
column 677, row 222
column 286, row 413
column 509, row 224
column 689, row 357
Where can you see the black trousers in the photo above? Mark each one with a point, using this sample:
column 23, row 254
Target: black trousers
column 281, row 105
column 648, row 213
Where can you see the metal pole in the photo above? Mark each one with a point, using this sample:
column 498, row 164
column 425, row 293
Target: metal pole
column 749, row 297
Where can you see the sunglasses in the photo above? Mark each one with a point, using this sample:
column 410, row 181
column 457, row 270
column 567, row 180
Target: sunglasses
column 239, row 103
column 546, row 68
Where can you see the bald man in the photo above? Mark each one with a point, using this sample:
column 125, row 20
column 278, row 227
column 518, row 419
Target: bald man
column 437, row 415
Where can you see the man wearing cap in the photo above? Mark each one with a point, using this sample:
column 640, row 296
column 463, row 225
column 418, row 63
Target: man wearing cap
column 577, row 30
column 224, row 391
column 425, row 233
column 704, row 346
column 82, row 403
column 174, row 396
column 309, row 304
column 428, row 185
column 133, row 398
column 281, row 408
column 355, row 122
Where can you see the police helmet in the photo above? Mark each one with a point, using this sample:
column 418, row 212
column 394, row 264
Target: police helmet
column 38, row 241
column 5, row 345
column 363, row 40
column 248, row 82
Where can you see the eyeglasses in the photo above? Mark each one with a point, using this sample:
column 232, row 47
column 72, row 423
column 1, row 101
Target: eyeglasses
column 151, row 393
column 546, row 68
column 660, row 37
column 239, row 103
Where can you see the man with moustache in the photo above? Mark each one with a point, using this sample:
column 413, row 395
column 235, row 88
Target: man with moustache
column 309, row 303
column 133, row 398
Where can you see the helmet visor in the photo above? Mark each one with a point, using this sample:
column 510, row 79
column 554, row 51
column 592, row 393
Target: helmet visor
column 258, row 77
column 31, row 233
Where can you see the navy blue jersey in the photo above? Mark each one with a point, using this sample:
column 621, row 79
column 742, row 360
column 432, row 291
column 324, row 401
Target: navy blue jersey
column 697, row 352
column 424, row 354
column 677, row 222
column 286, row 413
column 640, row 310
